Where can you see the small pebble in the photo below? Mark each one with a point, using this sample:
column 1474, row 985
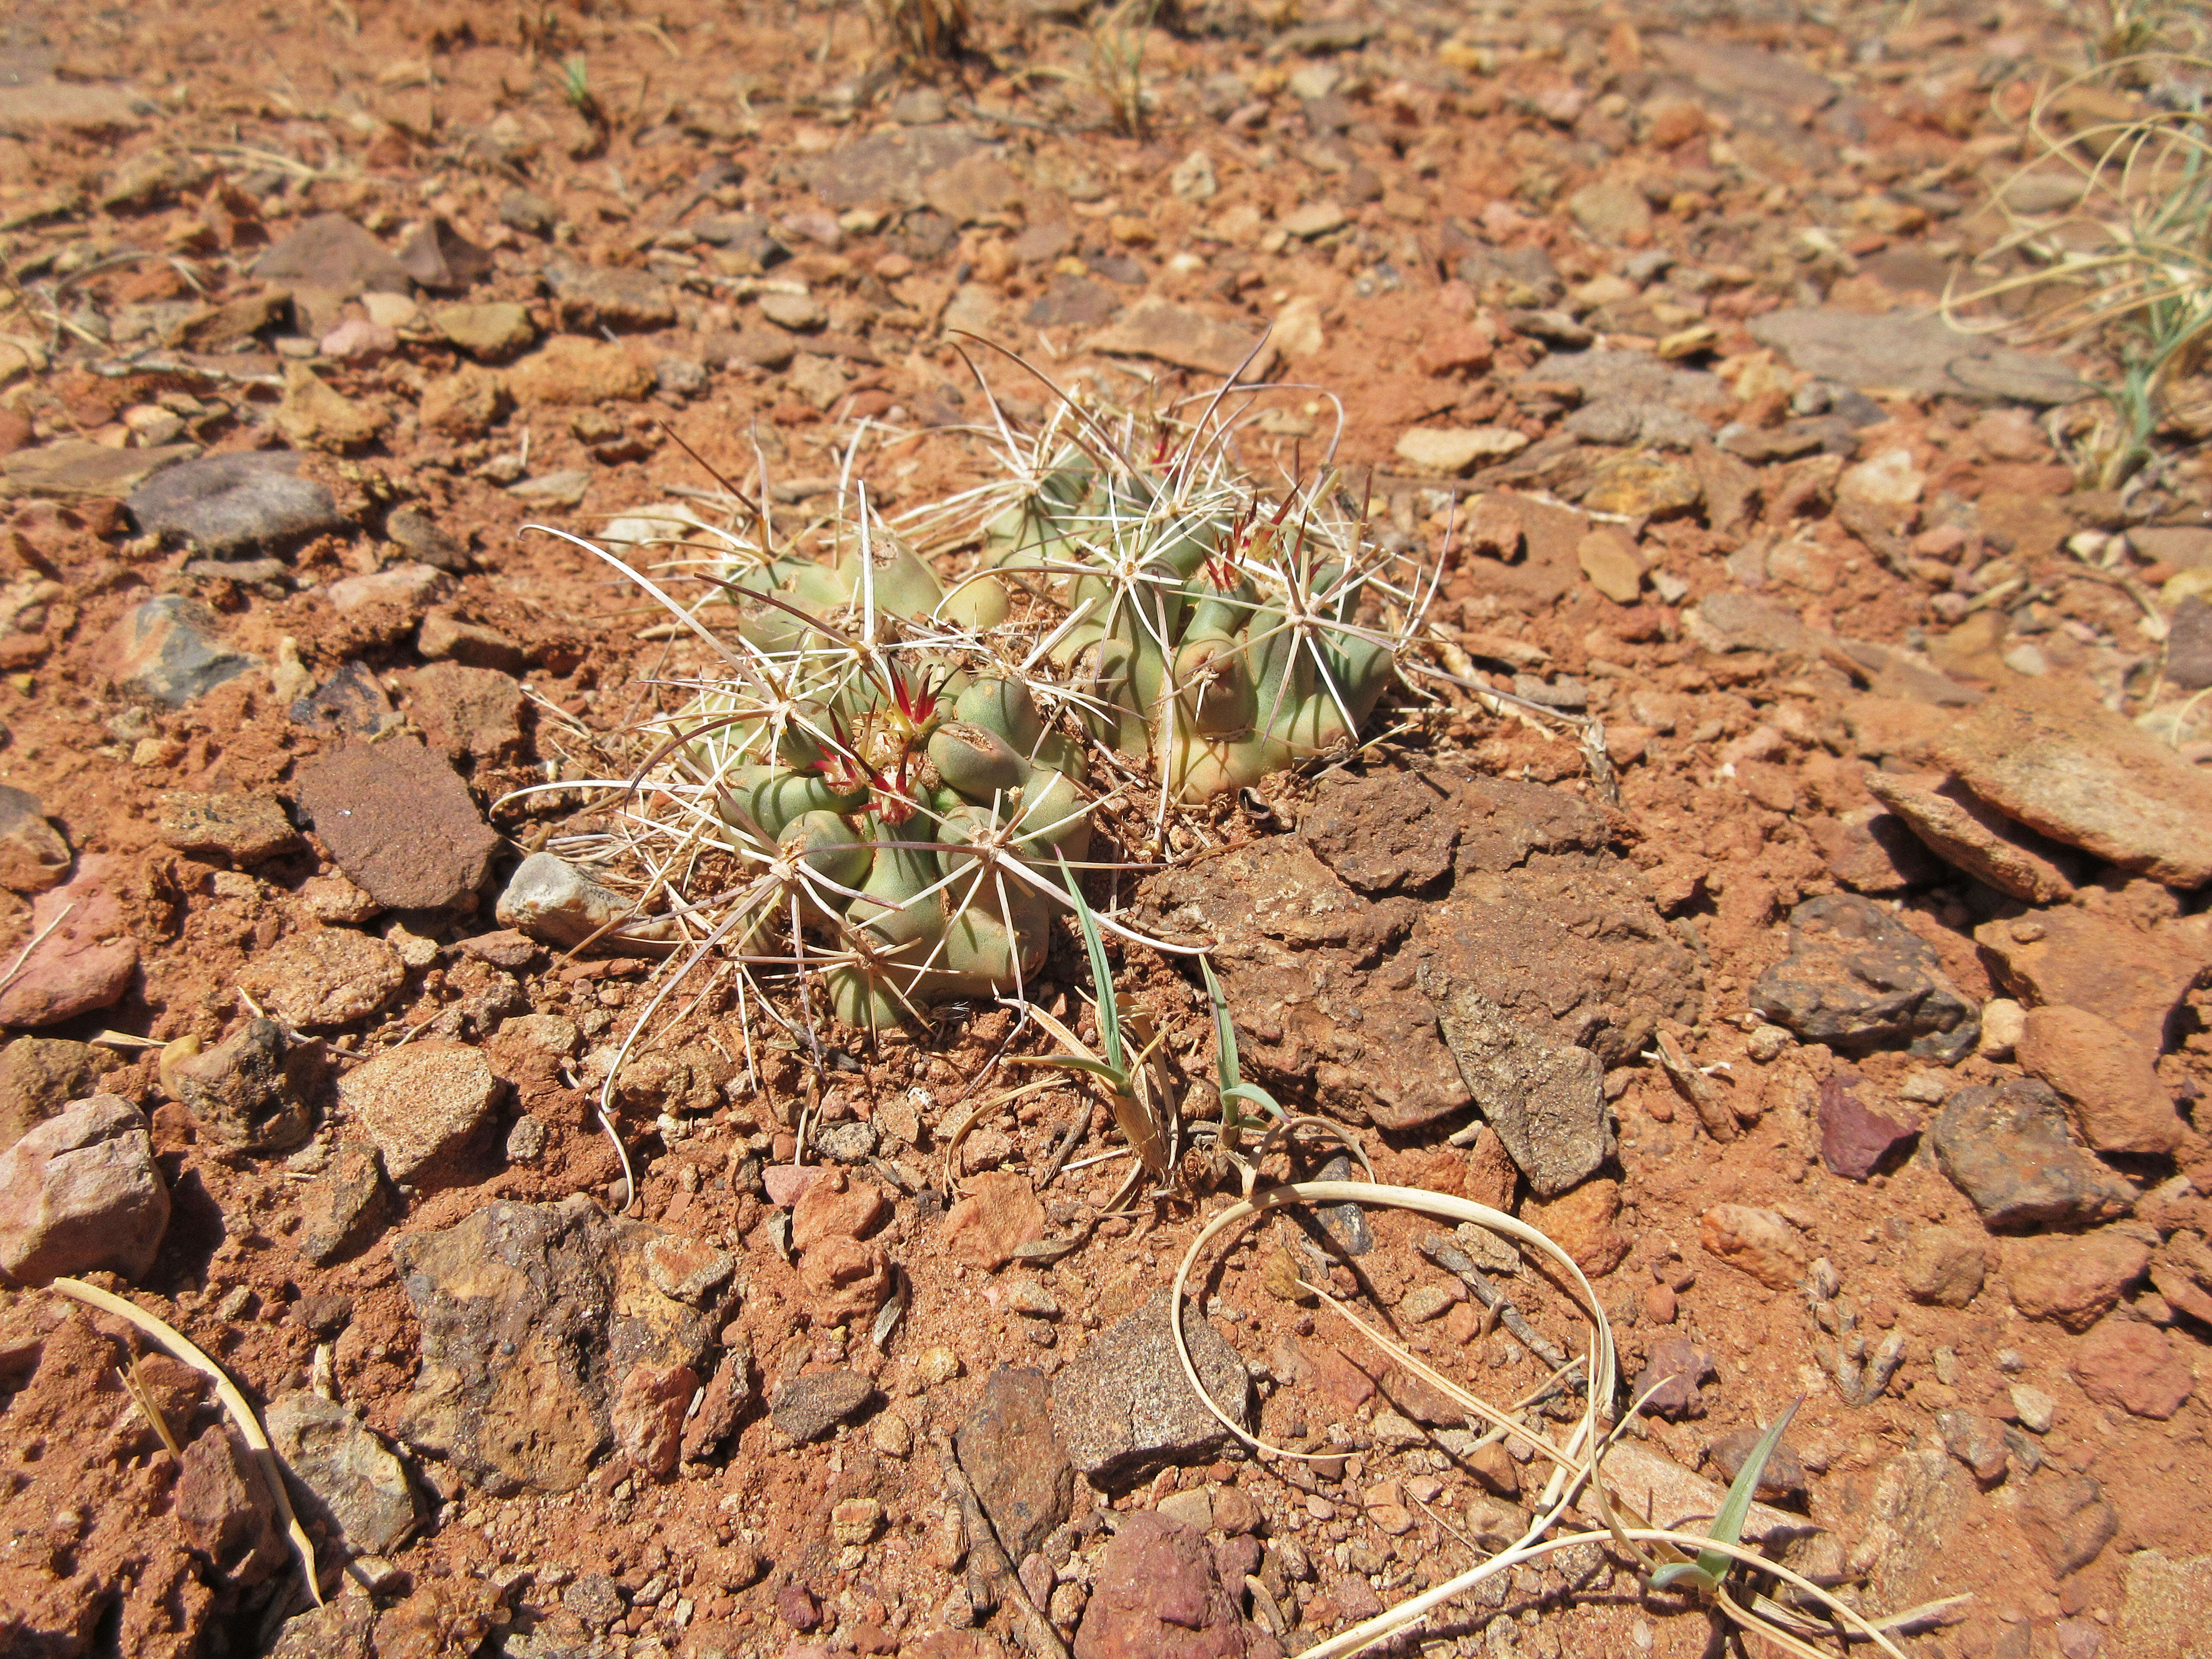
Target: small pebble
column 1766, row 1042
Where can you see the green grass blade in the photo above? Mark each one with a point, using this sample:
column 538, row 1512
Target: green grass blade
column 1225, row 1031
column 1073, row 1063
column 1253, row 1093
column 1711, row 1566
column 1102, row 977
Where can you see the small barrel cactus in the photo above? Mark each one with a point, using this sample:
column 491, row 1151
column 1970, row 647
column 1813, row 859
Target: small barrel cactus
column 901, row 769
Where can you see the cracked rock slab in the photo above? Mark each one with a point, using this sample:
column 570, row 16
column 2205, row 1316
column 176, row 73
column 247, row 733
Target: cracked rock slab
column 531, row 1316
column 1547, row 1100
column 1320, row 937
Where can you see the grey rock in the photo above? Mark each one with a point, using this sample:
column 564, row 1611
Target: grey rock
column 2184, row 546
column 808, row 1407
column 2189, row 645
column 552, row 900
column 1494, row 882
column 1909, row 352
column 2163, row 1614
column 1170, row 333
column 593, row 297
column 1009, row 1452
column 226, row 1508
column 320, row 977
column 1636, row 421
column 1553, row 328
column 688, row 1269
column 243, row 828
column 1737, row 73
column 746, row 235
column 350, row 703
column 1071, row 300
column 1858, row 978
column 39, row 1076
column 1345, row 1222
column 439, row 257
column 1976, row 1441
column 169, row 650
column 2010, row 1150
column 2072, row 770
column 464, row 711
column 729, row 1391
column 1546, row 1099
column 234, row 506
column 1669, row 1381
column 530, row 1315
column 1632, row 397
column 249, row 1093
column 77, row 470
column 342, row 1477
column 886, row 166
column 398, row 820
column 421, row 539
column 595, row 1599
column 848, row 1142
column 1920, row 1501
column 2068, row 1520
column 679, row 377
column 920, row 107
column 82, row 1191
column 1123, row 1405
column 526, row 1141
column 342, row 1628
column 34, row 856
column 347, row 1206
column 528, row 212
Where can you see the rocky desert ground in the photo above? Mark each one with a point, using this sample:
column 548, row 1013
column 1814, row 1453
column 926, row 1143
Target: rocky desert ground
column 1775, row 871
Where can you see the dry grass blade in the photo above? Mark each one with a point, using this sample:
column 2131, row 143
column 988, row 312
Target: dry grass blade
column 1602, row 1367
column 182, row 1348
column 2110, row 246
column 148, row 1407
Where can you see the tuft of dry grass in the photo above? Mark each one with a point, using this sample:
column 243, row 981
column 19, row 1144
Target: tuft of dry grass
column 2109, row 248
column 1723, row 1573
column 922, row 36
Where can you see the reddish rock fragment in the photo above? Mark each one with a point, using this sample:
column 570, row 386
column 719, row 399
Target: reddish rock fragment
column 1855, row 1140
column 2131, row 1366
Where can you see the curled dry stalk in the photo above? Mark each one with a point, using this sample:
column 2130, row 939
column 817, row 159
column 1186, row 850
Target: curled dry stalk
column 2109, row 247
column 1577, row 1472
column 182, row 1348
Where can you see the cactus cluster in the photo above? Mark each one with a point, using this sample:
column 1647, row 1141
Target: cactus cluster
column 887, row 779
column 1222, row 641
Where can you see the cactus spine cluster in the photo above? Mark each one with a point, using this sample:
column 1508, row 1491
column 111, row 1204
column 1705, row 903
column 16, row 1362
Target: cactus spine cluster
column 885, row 782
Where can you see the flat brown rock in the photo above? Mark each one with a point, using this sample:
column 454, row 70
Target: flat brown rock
column 1964, row 832
column 1188, row 339
column 2135, row 977
column 399, row 820
column 2049, row 755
